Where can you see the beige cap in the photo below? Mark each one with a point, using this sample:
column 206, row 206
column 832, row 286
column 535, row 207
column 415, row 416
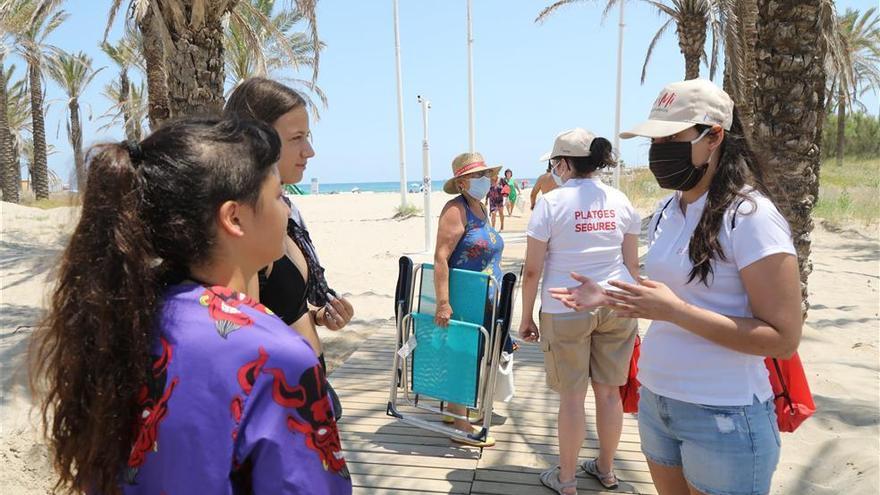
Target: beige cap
column 575, row 142
column 464, row 164
column 682, row 105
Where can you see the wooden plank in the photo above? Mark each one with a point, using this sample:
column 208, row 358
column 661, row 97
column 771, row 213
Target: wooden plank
column 389, row 460
column 414, row 484
column 423, row 472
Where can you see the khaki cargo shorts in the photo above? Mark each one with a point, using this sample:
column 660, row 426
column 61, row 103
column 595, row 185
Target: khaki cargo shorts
column 582, row 346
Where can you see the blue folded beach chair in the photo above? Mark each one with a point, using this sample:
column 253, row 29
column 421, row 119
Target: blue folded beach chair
column 433, row 365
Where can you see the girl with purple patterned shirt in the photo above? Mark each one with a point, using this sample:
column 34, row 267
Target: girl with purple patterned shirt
column 160, row 374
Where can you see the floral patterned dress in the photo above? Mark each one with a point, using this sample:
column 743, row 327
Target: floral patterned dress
column 480, row 247
column 479, row 250
column 236, row 404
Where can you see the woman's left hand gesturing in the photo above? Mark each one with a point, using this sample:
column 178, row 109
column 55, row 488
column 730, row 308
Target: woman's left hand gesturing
column 649, row 300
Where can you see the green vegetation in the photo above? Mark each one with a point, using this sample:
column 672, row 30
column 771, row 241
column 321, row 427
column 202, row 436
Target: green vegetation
column 848, row 195
column 402, row 212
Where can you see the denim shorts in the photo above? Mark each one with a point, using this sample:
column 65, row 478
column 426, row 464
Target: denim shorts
column 723, row 450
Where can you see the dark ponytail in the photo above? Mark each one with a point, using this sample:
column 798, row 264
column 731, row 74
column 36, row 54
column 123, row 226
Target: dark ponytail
column 737, row 166
column 601, row 156
column 147, row 215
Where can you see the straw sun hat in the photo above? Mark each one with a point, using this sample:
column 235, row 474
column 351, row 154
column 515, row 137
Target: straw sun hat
column 464, row 164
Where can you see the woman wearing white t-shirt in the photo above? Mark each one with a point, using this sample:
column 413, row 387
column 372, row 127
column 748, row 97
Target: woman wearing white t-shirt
column 723, row 292
column 591, row 228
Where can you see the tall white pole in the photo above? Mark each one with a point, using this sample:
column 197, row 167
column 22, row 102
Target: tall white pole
column 426, row 175
column 400, row 136
column 470, row 64
column 619, row 84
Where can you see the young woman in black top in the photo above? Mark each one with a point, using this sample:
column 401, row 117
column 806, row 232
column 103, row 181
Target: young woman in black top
column 294, row 286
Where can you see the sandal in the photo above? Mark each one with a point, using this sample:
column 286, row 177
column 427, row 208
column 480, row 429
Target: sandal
column 472, row 417
column 488, row 442
column 608, row 480
column 550, row 479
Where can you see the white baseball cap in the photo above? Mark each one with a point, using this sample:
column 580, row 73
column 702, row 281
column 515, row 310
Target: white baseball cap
column 575, row 142
column 682, row 105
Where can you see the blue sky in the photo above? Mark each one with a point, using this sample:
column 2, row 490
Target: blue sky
column 531, row 81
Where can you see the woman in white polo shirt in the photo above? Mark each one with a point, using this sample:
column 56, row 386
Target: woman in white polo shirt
column 723, row 292
column 591, row 228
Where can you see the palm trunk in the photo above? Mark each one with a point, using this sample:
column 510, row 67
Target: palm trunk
column 40, row 167
column 691, row 38
column 8, row 184
column 196, row 62
column 789, row 104
column 841, row 124
column 157, row 82
column 125, row 105
column 741, row 86
column 76, row 143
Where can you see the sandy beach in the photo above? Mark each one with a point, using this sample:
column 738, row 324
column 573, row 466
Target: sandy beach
column 836, row 452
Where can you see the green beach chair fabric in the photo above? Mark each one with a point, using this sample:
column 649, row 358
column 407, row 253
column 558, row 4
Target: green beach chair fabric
column 444, row 360
column 447, row 367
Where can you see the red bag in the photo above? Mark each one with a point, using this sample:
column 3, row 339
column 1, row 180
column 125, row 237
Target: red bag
column 629, row 393
column 794, row 402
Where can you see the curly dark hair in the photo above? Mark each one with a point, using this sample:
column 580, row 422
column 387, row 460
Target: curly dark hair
column 147, row 215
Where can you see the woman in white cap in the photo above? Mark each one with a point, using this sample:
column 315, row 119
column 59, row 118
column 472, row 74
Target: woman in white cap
column 466, row 240
column 722, row 292
column 588, row 227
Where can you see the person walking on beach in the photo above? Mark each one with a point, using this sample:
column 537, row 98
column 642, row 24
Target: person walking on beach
column 466, row 241
column 294, row 286
column 545, row 183
column 159, row 373
column 495, row 201
column 512, row 191
column 722, row 291
column 588, row 227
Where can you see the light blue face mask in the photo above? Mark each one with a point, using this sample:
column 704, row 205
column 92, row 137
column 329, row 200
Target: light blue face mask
column 479, row 188
column 557, row 178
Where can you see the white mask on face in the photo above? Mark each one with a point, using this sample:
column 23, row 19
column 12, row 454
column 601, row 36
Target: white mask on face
column 478, row 188
column 557, row 178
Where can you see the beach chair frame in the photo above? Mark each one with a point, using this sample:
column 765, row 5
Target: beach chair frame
column 401, row 391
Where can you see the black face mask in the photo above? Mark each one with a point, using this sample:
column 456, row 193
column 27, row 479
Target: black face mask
column 672, row 167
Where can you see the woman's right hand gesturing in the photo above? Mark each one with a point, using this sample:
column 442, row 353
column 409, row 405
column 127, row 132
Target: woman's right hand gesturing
column 442, row 314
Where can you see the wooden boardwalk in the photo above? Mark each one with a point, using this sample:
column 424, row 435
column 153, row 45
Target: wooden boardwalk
column 386, row 456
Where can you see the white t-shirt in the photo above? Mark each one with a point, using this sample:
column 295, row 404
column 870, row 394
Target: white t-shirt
column 583, row 223
column 679, row 364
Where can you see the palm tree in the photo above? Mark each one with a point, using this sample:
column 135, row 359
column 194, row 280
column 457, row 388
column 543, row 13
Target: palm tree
column 36, row 20
column 739, row 61
column 793, row 38
column 14, row 123
column 131, row 112
column 7, row 182
column 857, row 71
column 692, row 18
column 73, row 72
column 253, row 50
column 126, row 53
column 183, row 48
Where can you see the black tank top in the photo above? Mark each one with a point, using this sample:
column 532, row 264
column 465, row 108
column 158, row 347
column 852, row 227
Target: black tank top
column 284, row 291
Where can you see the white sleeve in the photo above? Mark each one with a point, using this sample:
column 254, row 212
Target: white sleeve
column 539, row 223
column 635, row 220
column 760, row 231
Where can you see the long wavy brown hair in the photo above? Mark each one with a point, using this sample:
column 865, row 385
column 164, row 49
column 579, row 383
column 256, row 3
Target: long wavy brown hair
column 147, row 215
column 738, row 166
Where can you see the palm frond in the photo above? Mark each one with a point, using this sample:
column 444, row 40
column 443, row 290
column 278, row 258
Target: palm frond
column 547, row 11
column 651, row 46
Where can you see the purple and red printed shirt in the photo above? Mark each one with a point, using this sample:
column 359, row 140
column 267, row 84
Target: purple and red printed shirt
column 236, row 404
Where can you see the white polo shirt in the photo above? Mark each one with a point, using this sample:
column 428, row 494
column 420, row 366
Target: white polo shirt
column 679, row 364
column 583, row 222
